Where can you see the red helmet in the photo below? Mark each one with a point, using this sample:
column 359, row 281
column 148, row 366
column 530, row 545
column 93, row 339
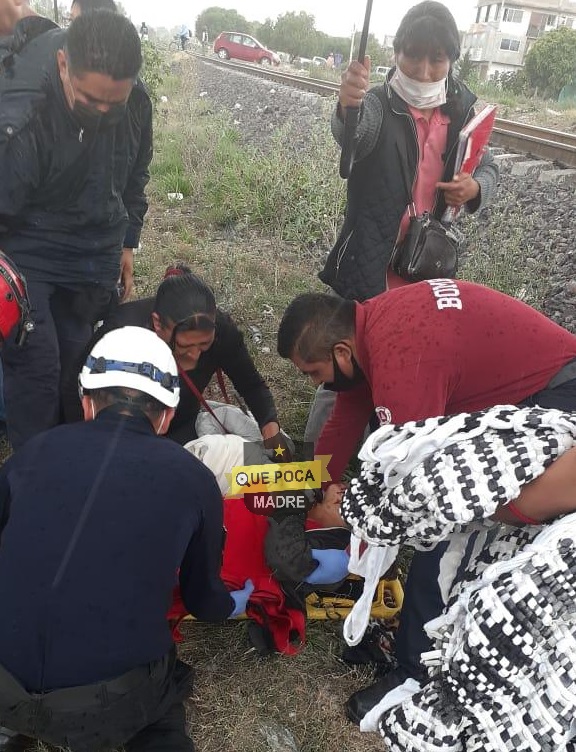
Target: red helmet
column 14, row 302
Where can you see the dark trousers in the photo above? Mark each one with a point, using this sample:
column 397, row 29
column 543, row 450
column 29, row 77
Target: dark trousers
column 166, row 735
column 141, row 710
column 41, row 378
column 422, row 597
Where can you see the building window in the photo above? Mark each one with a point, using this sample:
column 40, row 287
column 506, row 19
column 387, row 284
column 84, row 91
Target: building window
column 510, row 44
column 512, row 16
column 550, row 20
column 570, row 23
column 487, row 14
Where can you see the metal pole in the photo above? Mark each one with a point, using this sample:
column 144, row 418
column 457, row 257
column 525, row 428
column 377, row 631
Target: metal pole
column 352, row 44
column 56, row 11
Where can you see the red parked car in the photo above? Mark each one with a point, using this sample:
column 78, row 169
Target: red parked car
column 233, row 44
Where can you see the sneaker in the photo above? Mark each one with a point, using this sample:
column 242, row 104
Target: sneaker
column 364, row 700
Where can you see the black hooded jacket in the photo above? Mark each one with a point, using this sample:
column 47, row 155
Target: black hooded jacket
column 69, row 200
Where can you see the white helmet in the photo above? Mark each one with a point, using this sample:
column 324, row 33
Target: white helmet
column 136, row 358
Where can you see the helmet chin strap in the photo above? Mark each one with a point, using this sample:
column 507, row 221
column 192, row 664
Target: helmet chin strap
column 161, row 426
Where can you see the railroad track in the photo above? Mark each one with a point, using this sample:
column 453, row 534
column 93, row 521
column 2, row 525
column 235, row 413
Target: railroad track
column 541, row 143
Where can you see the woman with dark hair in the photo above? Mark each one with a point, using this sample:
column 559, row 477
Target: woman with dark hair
column 204, row 340
column 406, row 143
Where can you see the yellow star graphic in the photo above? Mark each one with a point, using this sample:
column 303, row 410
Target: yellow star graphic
column 279, row 451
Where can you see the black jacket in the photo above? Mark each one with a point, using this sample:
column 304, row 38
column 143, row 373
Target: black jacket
column 96, row 519
column 377, row 192
column 228, row 352
column 69, row 200
column 25, row 31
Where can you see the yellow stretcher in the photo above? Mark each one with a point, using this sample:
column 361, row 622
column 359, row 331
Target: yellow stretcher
column 386, row 604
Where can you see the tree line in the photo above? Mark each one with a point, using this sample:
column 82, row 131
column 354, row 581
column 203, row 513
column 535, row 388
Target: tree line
column 293, row 33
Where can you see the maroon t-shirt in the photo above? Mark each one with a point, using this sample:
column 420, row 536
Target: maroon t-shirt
column 442, row 347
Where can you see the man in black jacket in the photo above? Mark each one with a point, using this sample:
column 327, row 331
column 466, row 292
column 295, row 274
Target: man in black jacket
column 98, row 520
column 75, row 146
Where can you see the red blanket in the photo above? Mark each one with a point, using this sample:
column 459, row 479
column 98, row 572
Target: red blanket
column 244, row 559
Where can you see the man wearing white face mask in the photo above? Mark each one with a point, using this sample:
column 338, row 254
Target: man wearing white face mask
column 408, row 126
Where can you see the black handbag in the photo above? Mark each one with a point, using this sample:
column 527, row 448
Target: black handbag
column 429, row 250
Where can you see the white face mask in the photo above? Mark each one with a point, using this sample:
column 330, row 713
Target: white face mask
column 423, row 96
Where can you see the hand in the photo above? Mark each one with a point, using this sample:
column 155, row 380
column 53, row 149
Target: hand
column 354, row 84
column 332, row 566
column 127, row 273
column 275, row 442
column 327, row 512
column 240, row 598
column 460, row 190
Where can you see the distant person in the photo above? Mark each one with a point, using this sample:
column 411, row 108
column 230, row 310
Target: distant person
column 184, row 35
column 205, row 35
column 144, row 32
column 330, row 61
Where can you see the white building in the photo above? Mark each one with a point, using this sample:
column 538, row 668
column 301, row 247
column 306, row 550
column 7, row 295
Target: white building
column 505, row 31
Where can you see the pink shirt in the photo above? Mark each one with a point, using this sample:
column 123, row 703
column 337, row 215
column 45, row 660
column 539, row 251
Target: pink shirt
column 432, row 138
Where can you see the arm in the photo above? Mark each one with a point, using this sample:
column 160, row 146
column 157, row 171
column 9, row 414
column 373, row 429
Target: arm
column 486, row 175
column 20, row 170
column 355, row 83
column 549, row 496
column 345, row 428
column 203, row 592
column 474, row 191
column 237, row 363
column 134, row 196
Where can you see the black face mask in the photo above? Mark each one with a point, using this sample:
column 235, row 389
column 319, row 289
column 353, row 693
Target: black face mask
column 114, row 115
column 87, row 117
column 92, row 120
column 341, row 382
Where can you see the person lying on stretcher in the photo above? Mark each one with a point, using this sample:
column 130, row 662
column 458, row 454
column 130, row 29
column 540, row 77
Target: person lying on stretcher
column 283, row 558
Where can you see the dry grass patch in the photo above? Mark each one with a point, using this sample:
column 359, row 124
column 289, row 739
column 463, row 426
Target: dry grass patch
column 242, row 703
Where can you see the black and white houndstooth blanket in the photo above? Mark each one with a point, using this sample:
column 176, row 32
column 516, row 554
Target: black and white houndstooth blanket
column 424, row 480
column 503, row 670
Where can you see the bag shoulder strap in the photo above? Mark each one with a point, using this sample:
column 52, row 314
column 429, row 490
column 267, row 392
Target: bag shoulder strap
column 222, row 385
column 200, row 397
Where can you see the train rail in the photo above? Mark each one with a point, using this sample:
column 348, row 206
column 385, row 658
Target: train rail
column 540, row 143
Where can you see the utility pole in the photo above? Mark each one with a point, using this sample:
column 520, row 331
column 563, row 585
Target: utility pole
column 56, row 11
column 351, row 43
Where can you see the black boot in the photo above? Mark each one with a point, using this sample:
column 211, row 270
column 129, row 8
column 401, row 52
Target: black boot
column 10, row 741
column 364, row 700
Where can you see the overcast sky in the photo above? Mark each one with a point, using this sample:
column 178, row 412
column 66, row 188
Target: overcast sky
column 335, row 17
